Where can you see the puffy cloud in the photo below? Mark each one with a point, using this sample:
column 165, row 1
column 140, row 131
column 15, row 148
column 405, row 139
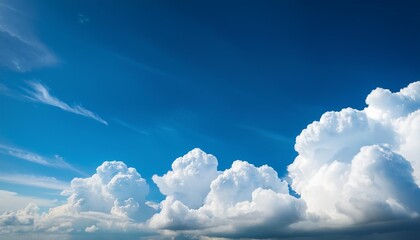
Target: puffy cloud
column 111, row 200
column 115, row 189
column 249, row 201
column 24, row 216
column 190, row 178
column 357, row 172
column 361, row 165
column 385, row 105
column 379, row 187
column 241, row 198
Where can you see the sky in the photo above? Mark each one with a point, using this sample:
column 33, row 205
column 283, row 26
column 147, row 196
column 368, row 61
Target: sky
column 209, row 119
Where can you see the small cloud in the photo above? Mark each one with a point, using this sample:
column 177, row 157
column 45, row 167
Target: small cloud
column 40, row 93
column 82, row 19
column 91, row 229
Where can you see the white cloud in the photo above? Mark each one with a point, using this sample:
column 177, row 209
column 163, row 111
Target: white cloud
column 35, row 181
column 91, row 229
column 240, row 198
column 357, row 165
column 190, row 178
column 12, row 201
column 357, row 174
column 114, row 189
column 379, row 187
column 20, row 48
column 111, row 200
column 23, row 219
column 40, row 93
column 56, row 161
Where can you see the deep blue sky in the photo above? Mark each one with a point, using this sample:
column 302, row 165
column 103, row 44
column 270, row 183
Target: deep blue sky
column 238, row 79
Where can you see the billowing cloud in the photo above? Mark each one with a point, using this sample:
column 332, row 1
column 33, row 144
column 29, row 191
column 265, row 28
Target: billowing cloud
column 239, row 199
column 190, row 178
column 20, row 48
column 112, row 199
column 357, row 173
column 357, row 166
column 40, row 93
column 114, row 189
column 23, row 218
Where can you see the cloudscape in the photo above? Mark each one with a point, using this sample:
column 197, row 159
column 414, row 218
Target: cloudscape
column 209, row 120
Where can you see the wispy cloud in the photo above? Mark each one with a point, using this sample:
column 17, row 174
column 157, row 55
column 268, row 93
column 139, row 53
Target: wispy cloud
column 40, row 93
column 56, row 161
column 82, row 19
column 131, row 127
column 268, row 134
column 20, row 49
column 35, row 181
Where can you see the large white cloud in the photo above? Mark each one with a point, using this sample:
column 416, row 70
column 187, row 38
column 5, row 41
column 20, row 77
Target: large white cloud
column 357, row 172
column 241, row 198
column 357, row 165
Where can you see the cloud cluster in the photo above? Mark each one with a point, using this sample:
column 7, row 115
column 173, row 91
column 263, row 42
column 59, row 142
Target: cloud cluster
column 236, row 200
column 112, row 199
column 357, row 172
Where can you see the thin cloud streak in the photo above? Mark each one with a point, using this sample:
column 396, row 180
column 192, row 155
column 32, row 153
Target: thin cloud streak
column 35, row 181
column 268, row 134
column 55, row 162
column 131, row 127
column 20, row 49
column 40, row 93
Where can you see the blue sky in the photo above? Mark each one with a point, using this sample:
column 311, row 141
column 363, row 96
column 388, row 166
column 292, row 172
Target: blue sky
column 145, row 82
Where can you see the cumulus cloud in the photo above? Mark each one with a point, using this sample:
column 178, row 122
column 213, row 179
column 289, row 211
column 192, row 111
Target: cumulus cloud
column 112, row 199
column 190, row 178
column 40, row 93
column 359, row 166
column 357, row 173
column 23, row 219
column 114, row 188
column 238, row 199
